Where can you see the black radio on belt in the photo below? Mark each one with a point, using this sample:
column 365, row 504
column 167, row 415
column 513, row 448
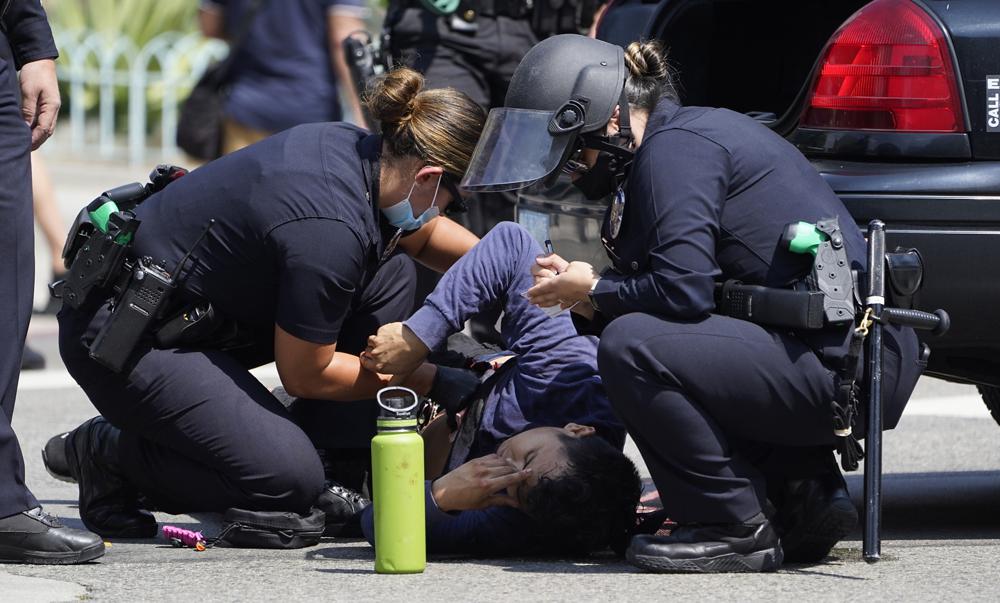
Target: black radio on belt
column 142, row 303
column 365, row 62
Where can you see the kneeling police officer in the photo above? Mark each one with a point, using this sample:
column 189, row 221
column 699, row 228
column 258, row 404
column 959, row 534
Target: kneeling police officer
column 296, row 263
column 730, row 415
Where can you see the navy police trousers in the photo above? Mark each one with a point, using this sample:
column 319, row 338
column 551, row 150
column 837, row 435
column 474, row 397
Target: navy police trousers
column 199, row 432
column 17, row 280
column 705, row 401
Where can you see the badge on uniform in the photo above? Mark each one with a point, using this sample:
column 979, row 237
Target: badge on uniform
column 617, row 212
column 390, row 246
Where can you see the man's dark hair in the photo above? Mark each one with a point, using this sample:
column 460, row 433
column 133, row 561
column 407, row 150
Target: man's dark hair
column 591, row 504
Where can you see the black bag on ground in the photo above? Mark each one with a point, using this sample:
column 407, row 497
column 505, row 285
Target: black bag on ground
column 270, row 529
column 199, row 125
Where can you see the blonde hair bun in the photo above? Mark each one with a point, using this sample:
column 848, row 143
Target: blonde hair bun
column 646, row 60
column 391, row 99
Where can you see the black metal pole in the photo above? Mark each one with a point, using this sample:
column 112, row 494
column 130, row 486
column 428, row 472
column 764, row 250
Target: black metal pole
column 872, row 545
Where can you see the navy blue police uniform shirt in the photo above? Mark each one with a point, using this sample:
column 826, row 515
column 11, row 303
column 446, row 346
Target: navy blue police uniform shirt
column 707, row 200
column 295, row 235
column 24, row 33
column 284, row 75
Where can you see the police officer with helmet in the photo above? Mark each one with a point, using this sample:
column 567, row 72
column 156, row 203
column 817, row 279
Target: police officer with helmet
column 294, row 253
column 474, row 46
column 734, row 419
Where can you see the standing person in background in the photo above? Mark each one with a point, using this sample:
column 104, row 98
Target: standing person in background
column 289, row 66
column 49, row 222
column 27, row 533
column 54, row 232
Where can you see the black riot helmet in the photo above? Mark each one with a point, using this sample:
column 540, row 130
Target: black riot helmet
column 562, row 94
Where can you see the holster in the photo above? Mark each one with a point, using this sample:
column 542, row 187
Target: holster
column 197, row 324
column 905, row 270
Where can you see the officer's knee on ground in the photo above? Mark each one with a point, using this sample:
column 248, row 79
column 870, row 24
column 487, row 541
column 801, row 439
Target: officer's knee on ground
column 295, row 483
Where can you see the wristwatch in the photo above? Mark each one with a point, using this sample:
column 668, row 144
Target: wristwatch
column 590, row 295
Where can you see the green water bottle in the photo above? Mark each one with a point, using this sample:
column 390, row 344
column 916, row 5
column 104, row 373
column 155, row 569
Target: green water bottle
column 398, row 485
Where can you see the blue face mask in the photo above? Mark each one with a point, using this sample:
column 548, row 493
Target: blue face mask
column 401, row 215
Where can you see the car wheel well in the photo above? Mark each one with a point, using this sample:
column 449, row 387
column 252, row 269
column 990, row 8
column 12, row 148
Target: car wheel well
column 991, row 397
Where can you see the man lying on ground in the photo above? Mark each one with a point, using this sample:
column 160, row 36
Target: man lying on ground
column 546, row 475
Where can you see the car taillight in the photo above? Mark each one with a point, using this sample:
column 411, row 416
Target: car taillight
column 887, row 68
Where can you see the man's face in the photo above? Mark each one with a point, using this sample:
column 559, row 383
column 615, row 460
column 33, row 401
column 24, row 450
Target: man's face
column 542, row 450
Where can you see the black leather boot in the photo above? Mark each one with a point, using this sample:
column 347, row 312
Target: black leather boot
column 54, row 458
column 108, row 504
column 343, row 508
column 34, row 536
column 813, row 515
column 751, row 546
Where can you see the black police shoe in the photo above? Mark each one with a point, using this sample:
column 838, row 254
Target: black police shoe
column 108, row 505
column 751, row 546
column 54, row 458
column 814, row 515
column 343, row 508
column 34, row 536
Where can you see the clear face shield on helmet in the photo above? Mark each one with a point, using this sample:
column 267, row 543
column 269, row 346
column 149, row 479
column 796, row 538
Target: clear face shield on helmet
column 519, row 148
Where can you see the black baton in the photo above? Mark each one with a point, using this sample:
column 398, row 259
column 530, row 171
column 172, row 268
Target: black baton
column 872, row 548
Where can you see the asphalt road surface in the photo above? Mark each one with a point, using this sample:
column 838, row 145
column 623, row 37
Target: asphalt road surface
column 941, row 488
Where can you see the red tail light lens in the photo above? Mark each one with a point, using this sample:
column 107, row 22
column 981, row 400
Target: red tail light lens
column 887, row 68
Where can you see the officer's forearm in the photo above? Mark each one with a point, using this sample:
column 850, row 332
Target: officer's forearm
column 344, row 379
column 445, row 242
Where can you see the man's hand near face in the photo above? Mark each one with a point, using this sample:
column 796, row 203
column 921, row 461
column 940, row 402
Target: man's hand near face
column 479, row 483
column 40, row 100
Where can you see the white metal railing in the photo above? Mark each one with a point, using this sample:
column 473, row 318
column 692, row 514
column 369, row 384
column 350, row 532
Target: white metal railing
column 156, row 75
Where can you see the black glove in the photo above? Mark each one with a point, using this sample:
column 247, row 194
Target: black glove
column 453, row 389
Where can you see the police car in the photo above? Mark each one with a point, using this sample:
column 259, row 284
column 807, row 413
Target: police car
column 896, row 103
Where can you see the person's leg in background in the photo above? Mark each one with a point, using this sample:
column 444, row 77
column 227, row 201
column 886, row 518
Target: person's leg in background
column 235, row 136
column 27, row 534
column 49, row 220
column 54, row 232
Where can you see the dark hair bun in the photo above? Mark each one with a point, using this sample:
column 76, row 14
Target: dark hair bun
column 647, row 60
column 391, row 99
